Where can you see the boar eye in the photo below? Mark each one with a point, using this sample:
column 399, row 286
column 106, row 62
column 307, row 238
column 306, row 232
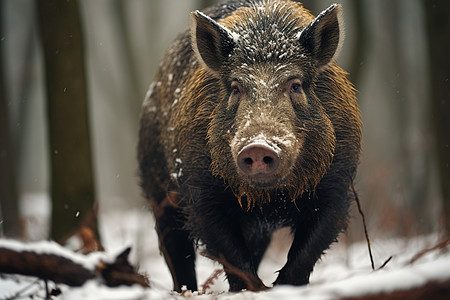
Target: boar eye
column 235, row 94
column 295, row 87
column 294, row 90
column 235, row 88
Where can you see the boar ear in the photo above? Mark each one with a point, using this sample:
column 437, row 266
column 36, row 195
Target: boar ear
column 211, row 42
column 323, row 37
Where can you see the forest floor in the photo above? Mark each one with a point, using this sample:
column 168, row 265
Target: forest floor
column 344, row 272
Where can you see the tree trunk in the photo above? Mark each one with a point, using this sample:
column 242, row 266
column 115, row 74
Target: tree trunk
column 72, row 186
column 359, row 51
column 438, row 29
column 9, row 213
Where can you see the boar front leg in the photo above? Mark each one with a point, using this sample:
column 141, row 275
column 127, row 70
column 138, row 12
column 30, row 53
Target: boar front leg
column 220, row 230
column 239, row 264
column 313, row 236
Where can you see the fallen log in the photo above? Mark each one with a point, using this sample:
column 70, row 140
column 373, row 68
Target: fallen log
column 50, row 261
column 436, row 290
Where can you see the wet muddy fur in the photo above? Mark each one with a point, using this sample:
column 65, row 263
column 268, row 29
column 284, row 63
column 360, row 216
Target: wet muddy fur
column 250, row 126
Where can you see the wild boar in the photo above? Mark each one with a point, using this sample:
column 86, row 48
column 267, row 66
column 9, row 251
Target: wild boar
column 249, row 126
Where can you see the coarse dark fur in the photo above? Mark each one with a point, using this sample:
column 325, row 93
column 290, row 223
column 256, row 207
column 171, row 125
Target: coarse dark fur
column 266, row 75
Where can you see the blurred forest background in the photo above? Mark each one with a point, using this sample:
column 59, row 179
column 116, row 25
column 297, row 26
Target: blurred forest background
column 73, row 75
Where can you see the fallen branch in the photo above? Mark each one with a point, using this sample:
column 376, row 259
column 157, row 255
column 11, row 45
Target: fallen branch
column 210, row 280
column 121, row 272
column 44, row 266
column 49, row 261
column 440, row 245
column 430, row 290
column 252, row 281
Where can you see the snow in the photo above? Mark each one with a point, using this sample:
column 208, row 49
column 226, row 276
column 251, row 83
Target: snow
column 177, row 175
column 284, row 54
column 35, row 211
column 94, row 290
column 360, row 281
column 262, row 141
column 273, row 142
column 343, row 272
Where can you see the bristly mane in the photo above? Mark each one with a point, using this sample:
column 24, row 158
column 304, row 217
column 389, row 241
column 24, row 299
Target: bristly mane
column 268, row 30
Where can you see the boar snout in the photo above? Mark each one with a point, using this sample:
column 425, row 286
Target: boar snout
column 258, row 161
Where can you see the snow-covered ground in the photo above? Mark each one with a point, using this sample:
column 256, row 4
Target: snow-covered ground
column 345, row 271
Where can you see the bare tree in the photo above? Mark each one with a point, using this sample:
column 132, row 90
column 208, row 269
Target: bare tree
column 359, row 11
column 72, row 183
column 8, row 192
column 438, row 28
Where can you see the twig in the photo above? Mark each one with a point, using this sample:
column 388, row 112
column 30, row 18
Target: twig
column 365, row 226
column 385, row 263
column 440, row 245
column 47, row 293
column 209, row 282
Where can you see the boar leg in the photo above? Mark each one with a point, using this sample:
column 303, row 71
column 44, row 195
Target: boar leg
column 174, row 242
column 245, row 275
column 241, row 258
column 220, row 229
column 313, row 237
column 257, row 243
